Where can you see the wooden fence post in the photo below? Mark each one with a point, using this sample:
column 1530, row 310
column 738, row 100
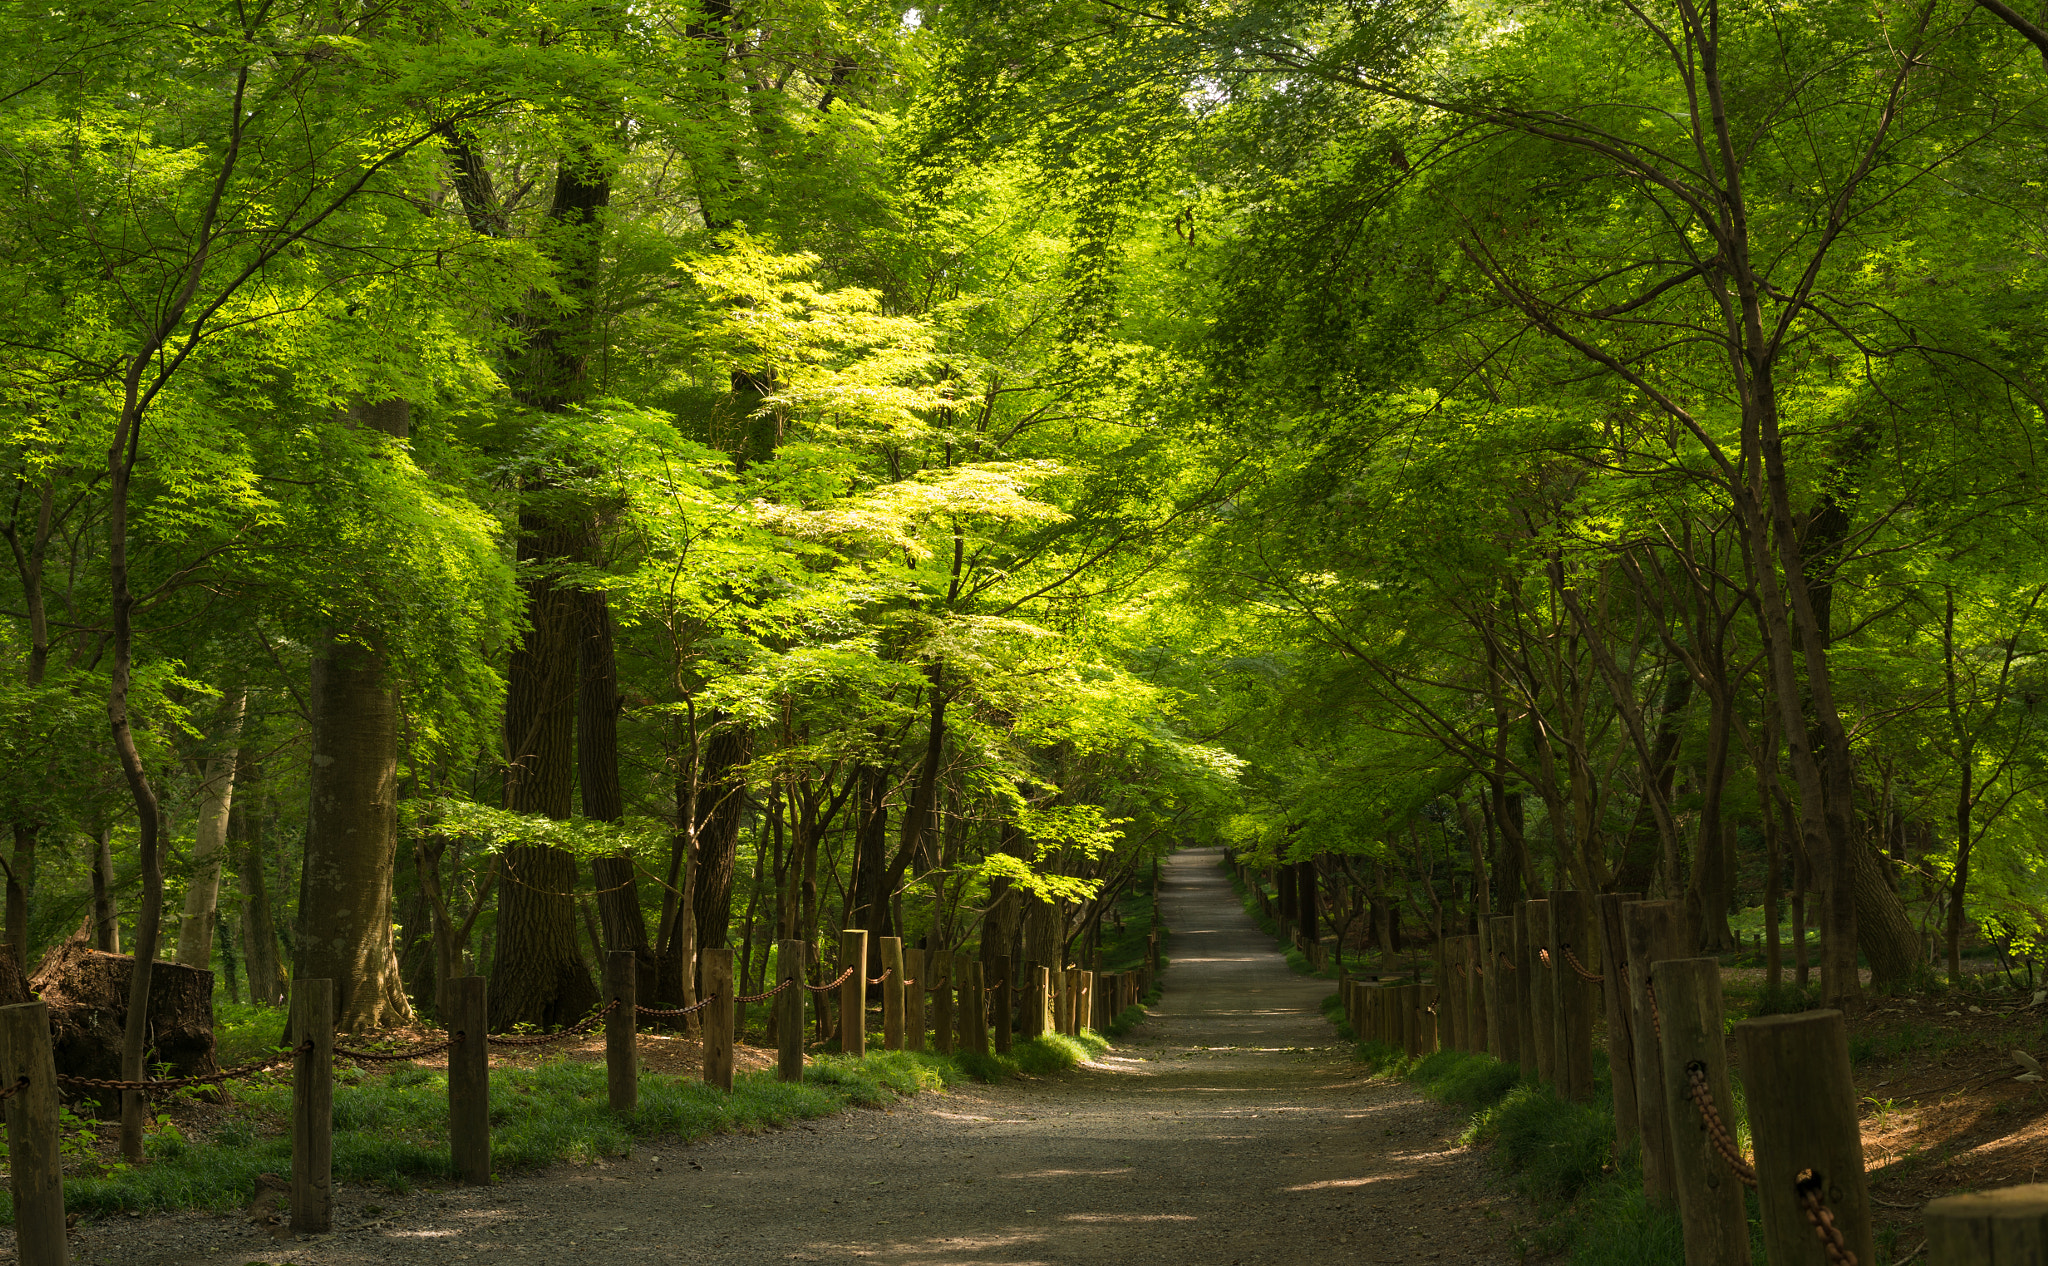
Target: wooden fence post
column 1612, row 963
column 1542, row 986
column 789, row 1011
column 35, row 1159
column 1569, row 924
column 469, row 1080
column 1004, row 1001
column 1523, row 951
column 1477, row 1039
column 1041, row 1000
column 1111, row 987
column 965, row 1004
column 913, row 998
column 1505, row 984
column 1428, row 1007
column 853, row 995
column 1084, row 1001
column 938, row 964
column 1987, row 1228
column 1802, row 1121
column 1450, row 987
column 621, row 1029
column 892, row 993
column 716, row 967
column 312, row 1021
column 1688, row 1011
column 1655, row 931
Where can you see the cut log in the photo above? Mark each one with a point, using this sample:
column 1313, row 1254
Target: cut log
column 87, row 993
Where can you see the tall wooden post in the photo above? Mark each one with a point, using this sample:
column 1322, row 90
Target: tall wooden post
column 1612, row 963
column 1084, row 1006
column 1989, row 1228
column 938, row 964
column 1004, row 1001
column 312, row 1021
column 716, row 966
column 1428, row 1005
column 1569, row 924
column 1041, row 1000
column 892, row 993
column 621, row 1030
column 789, row 1011
column 977, row 1008
column 913, row 998
column 1542, row 990
column 1655, row 931
column 35, row 1159
column 853, row 995
column 1526, row 972
column 1503, row 986
column 1802, row 1121
column 966, row 1011
column 1709, row 1195
column 469, row 1080
column 1476, row 1037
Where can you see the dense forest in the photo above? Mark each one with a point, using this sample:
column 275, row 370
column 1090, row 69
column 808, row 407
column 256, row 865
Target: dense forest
column 488, row 485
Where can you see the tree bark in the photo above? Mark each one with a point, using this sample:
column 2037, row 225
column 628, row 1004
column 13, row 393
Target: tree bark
column 259, row 933
column 721, row 799
column 106, row 915
column 210, row 840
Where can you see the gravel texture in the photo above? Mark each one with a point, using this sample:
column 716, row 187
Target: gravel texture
column 1229, row 1128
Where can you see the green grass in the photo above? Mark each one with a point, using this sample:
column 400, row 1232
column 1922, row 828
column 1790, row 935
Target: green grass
column 1042, row 1056
column 1297, row 962
column 391, row 1131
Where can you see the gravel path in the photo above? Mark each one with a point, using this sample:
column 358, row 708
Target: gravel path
column 1227, row 1129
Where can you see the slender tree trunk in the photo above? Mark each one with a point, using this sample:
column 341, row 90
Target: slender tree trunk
column 210, row 840
column 106, row 915
column 720, row 804
column 259, row 934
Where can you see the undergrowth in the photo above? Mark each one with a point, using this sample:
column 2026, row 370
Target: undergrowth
column 1040, row 1056
column 391, row 1131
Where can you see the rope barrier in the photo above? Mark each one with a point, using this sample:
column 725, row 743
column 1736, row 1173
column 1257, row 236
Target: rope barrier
column 1808, row 1185
column 1710, row 1121
column 673, row 1012
column 1506, row 962
column 828, row 988
column 386, row 1057
column 886, row 973
column 787, row 981
column 1580, row 967
column 14, row 1089
column 179, row 1083
column 581, row 1027
column 1544, row 954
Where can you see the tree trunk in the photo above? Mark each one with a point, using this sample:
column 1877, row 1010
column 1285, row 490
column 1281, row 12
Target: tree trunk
column 259, row 936
column 344, row 922
column 210, row 840
column 597, row 766
column 721, row 798
column 106, row 915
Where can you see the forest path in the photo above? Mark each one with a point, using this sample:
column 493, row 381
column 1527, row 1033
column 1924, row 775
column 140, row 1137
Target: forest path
column 1229, row 1128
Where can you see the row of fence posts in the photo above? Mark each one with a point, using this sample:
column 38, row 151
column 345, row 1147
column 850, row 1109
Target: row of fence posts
column 964, row 1006
column 1525, row 990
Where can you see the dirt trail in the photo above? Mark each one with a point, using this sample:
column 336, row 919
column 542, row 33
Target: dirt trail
column 1228, row 1129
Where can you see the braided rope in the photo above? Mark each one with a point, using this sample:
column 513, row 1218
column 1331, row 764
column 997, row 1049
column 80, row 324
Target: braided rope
column 886, row 973
column 1808, row 1185
column 179, row 1083
column 787, row 981
column 1580, row 967
column 834, row 984
column 581, row 1027
column 673, row 1012
column 1544, row 954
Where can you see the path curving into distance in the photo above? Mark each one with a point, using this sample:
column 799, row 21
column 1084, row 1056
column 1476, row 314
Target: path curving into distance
column 1229, row 1129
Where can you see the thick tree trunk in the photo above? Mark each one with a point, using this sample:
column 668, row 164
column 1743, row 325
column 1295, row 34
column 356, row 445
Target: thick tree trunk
column 210, row 840
column 721, row 801
column 259, row 934
column 344, row 923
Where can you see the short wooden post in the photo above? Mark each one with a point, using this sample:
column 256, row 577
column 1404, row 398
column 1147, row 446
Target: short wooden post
column 1802, row 1122
column 1084, row 1001
column 1612, row 963
column 938, row 964
column 913, row 998
column 621, row 1029
column 1152, row 951
column 35, row 1159
column 1004, row 1001
column 892, row 993
column 469, row 1080
column 1041, row 1000
column 976, row 1009
column 312, row 1029
column 1428, row 1033
column 1407, row 1002
column 853, row 995
column 1503, row 988
column 789, row 1011
column 1709, row 1195
column 1527, row 969
column 1110, row 986
column 716, row 967
column 2006, row 1227
column 1655, row 931
column 1451, row 987
column 1569, row 923
column 1543, row 990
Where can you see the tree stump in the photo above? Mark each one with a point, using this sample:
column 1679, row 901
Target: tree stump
column 87, row 993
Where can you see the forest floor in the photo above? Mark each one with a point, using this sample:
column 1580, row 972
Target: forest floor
column 1230, row 1128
